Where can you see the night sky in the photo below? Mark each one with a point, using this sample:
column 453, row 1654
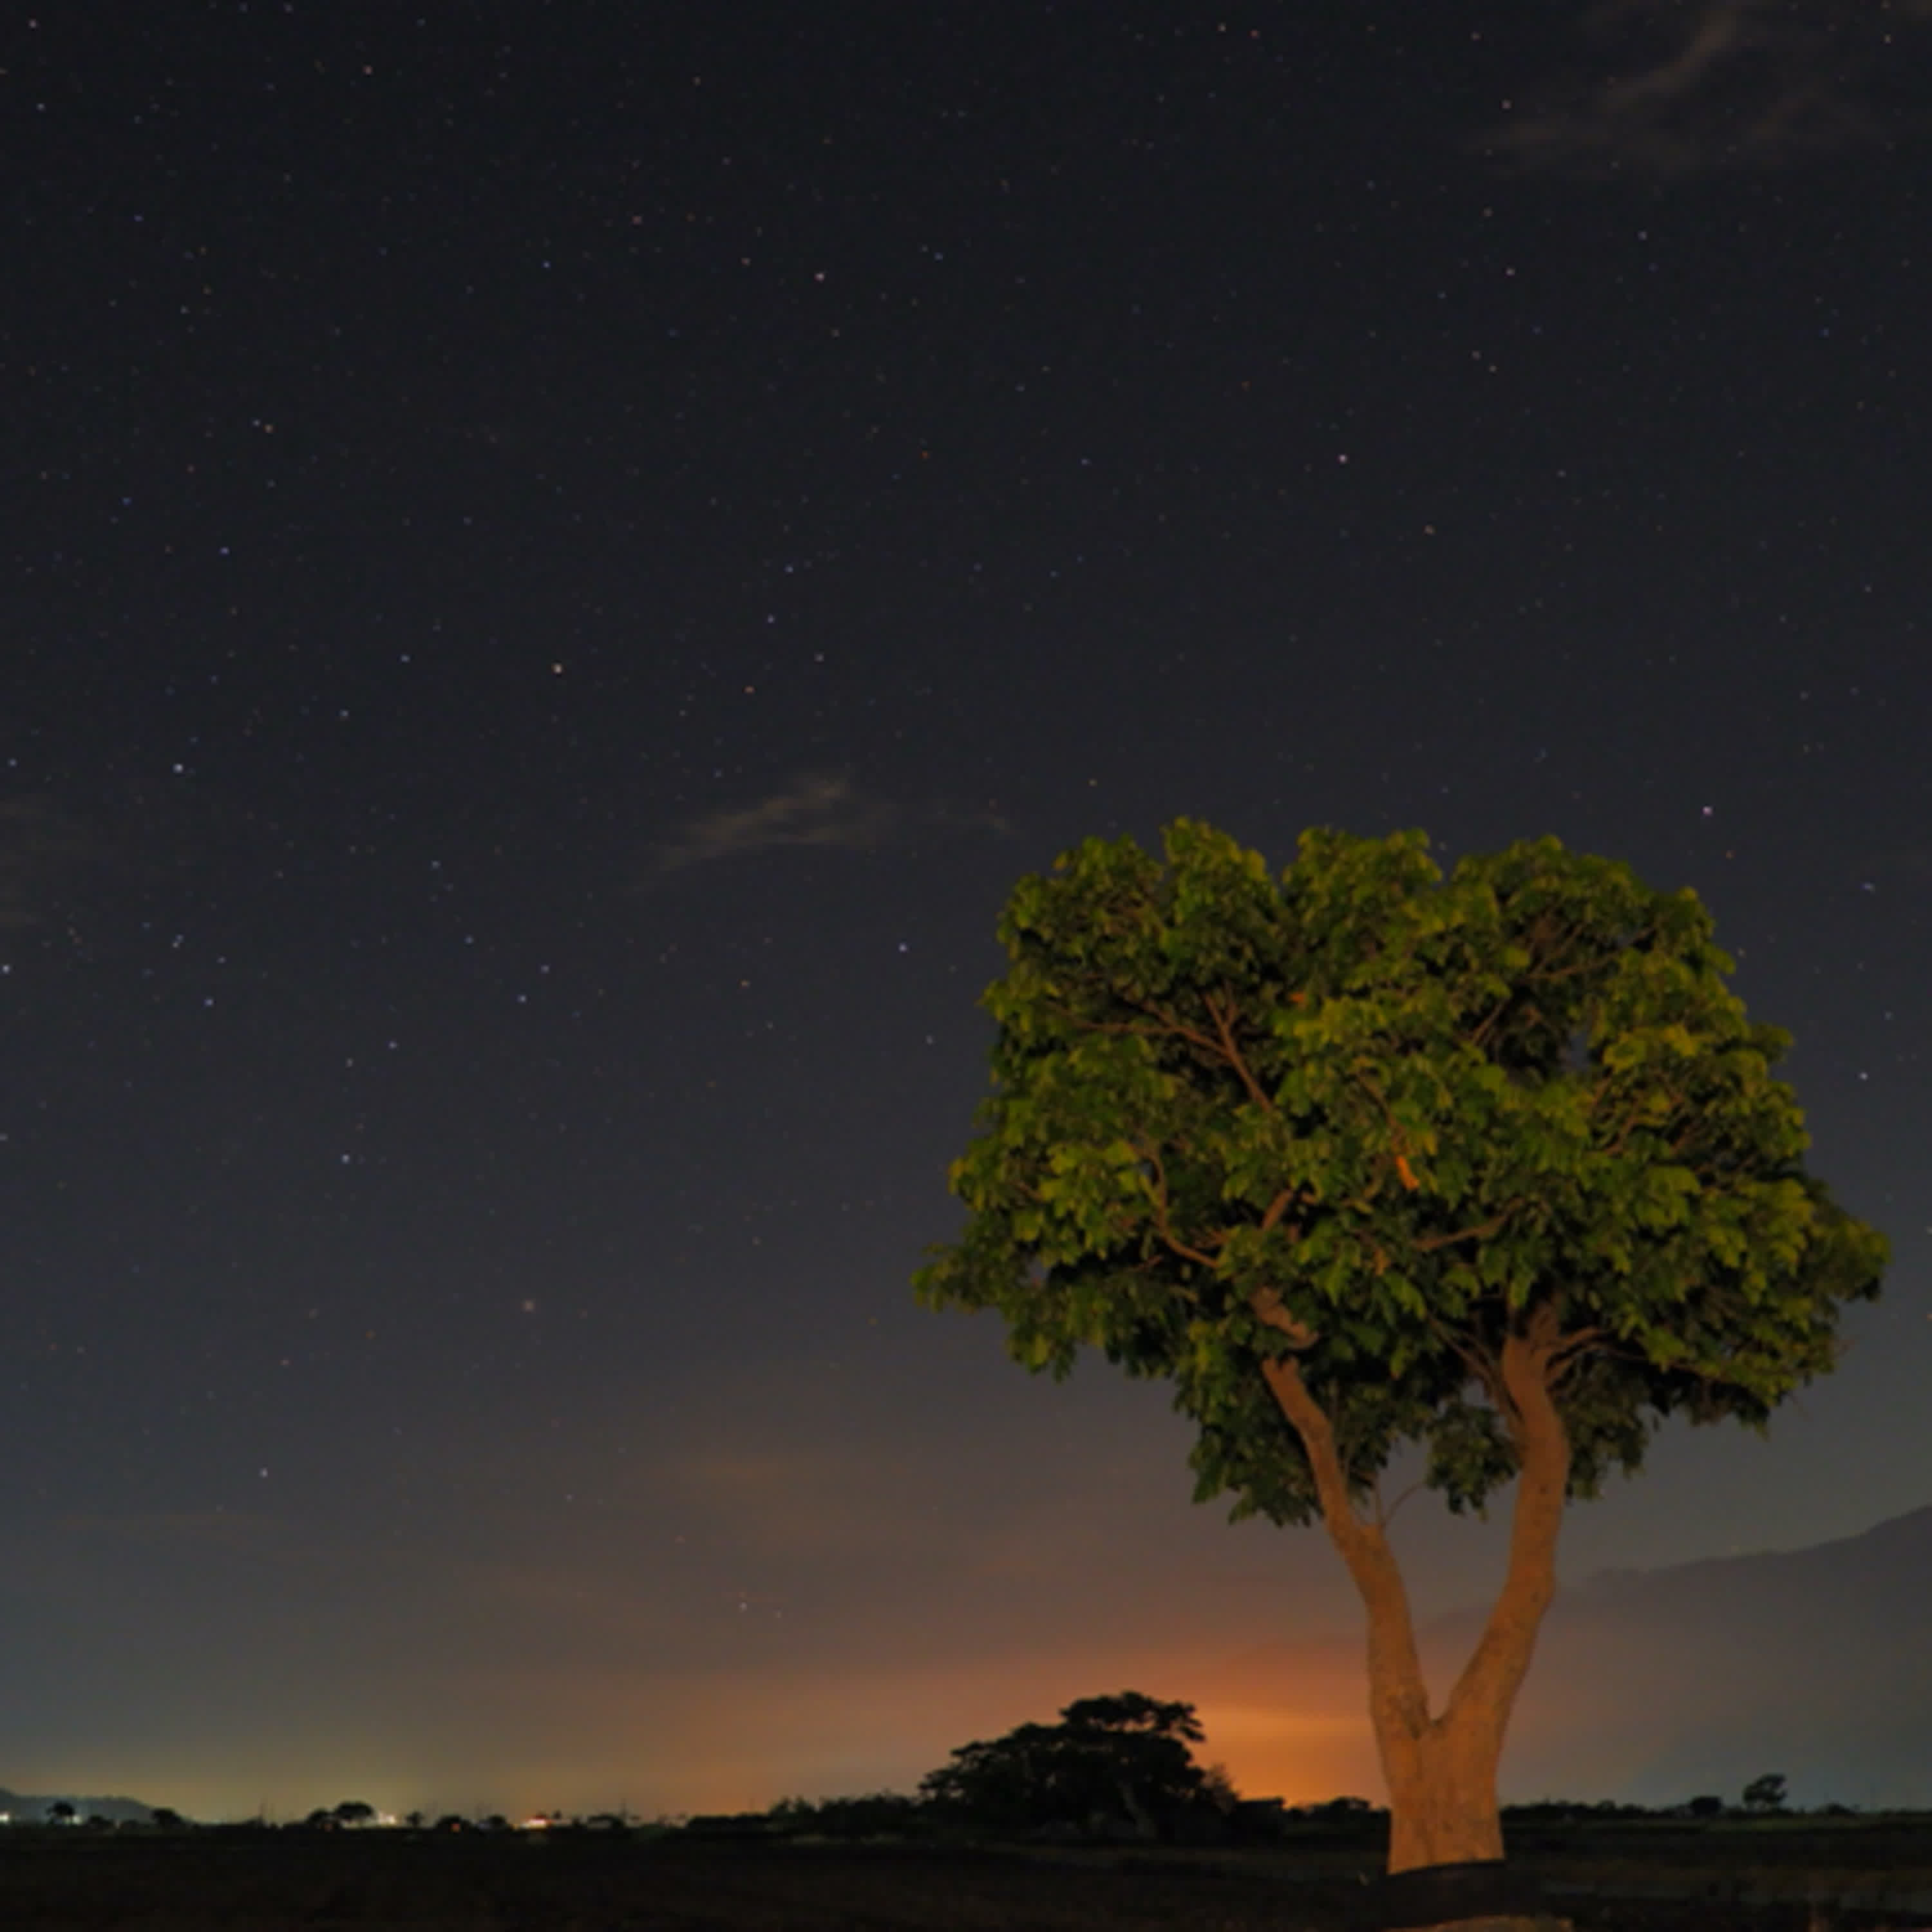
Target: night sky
column 560, row 559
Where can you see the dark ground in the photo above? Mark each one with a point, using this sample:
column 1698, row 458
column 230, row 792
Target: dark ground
column 208, row 1881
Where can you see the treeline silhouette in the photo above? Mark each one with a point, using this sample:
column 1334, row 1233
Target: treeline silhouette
column 1117, row 1769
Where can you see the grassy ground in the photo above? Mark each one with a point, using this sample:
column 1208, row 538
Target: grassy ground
column 364, row 1881
column 266, row 1882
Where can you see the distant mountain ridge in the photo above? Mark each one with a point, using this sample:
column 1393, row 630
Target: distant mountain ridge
column 1695, row 1678
column 1873, row 1553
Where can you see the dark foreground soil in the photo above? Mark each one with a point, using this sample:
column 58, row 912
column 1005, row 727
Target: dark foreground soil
column 276, row 1881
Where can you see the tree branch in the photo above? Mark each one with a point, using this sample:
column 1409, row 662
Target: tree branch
column 1471, row 1356
column 1231, row 1048
column 1487, row 1690
column 1428, row 1244
column 1163, row 1220
column 1220, row 1045
column 1397, row 1689
column 1164, row 1027
column 1270, row 1308
column 1571, row 1346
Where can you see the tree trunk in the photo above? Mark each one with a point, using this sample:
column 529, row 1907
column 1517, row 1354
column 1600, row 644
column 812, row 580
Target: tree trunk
column 1442, row 1791
column 1441, row 1769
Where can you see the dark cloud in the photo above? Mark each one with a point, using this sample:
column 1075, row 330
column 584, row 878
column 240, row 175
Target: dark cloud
column 1666, row 88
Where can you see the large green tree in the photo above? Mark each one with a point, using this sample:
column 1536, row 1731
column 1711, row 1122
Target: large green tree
column 1492, row 1167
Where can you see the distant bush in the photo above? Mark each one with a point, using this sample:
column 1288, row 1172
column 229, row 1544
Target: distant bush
column 730, row 1824
column 878, row 1814
column 1569, row 1811
column 1337, row 1811
column 1258, row 1821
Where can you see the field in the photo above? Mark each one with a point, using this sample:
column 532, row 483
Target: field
column 1641, row 1879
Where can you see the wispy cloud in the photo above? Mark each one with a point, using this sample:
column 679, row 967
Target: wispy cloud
column 1668, row 88
column 818, row 809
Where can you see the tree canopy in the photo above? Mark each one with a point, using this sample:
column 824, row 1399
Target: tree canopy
column 1377, row 1120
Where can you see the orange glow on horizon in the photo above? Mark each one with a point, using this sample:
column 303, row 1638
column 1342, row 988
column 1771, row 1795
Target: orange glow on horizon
column 1283, row 1721
column 1277, row 1751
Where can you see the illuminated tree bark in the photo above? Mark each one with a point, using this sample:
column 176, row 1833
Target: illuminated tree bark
column 1441, row 1769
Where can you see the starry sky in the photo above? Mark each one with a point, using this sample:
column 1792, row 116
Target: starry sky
column 560, row 559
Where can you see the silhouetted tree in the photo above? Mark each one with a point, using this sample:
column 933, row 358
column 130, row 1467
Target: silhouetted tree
column 60, row 1812
column 1766, row 1793
column 353, row 1811
column 1119, row 1763
column 1358, row 1158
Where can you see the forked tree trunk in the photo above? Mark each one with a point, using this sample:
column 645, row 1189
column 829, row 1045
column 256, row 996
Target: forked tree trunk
column 1442, row 1792
column 1442, row 1767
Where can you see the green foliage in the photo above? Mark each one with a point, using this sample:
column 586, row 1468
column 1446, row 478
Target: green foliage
column 1120, row 1763
column 1378, row 1117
